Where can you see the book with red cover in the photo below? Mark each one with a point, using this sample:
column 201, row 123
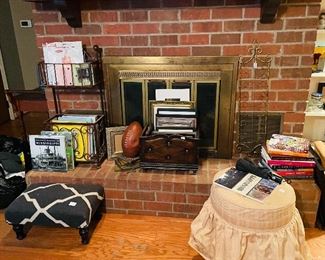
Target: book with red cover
column 292, row 174
column 292, row 158
column 289, row 164
column 299, row 177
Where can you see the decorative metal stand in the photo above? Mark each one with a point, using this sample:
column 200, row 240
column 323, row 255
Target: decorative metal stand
column 261, row 70
column 83, row 78
column 88, row 138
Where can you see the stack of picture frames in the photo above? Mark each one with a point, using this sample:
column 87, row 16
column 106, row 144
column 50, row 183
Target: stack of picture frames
column 173, row 117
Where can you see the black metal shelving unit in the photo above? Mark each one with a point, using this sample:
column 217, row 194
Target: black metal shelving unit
column 85, row 78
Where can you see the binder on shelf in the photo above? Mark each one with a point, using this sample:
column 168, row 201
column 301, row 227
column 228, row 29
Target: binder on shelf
column 58, row 74
column 72, row 74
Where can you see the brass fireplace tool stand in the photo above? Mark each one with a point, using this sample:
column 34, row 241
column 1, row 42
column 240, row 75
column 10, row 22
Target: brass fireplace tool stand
column 253, row 125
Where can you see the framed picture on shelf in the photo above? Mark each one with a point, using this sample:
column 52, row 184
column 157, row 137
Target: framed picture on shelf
column 154, row 105
column 114, row 140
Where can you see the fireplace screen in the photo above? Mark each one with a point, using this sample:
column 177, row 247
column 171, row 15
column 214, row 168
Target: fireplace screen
column 210, row 82
column 136, row 96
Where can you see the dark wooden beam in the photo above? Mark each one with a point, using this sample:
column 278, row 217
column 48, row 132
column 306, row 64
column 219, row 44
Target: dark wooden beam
column 269, row 9
column 70, row 10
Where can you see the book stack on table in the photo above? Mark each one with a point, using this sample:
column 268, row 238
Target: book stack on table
column 289, row 157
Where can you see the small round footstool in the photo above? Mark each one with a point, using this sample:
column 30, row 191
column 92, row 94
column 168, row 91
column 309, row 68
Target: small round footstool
column 231, row 226
column 57, row 204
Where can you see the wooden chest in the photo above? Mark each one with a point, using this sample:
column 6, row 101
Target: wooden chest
column 169, row 151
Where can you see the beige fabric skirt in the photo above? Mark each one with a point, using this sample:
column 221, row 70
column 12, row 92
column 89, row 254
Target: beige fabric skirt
column 231, row 227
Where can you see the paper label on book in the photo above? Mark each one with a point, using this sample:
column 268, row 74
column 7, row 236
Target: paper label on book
column 247, row 183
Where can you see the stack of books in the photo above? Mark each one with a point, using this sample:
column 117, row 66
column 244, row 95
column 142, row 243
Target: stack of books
column 176, row 121
column 289, row 156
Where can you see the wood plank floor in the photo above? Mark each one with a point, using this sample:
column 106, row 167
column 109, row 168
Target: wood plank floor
column 34, row 122
column 115, row 237
column 118, row 237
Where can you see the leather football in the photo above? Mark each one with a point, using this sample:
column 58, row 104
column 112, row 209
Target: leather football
column 131, row 140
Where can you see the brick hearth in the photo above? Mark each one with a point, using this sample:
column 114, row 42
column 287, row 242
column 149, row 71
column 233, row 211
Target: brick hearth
column 165, row 193
column 160, row 193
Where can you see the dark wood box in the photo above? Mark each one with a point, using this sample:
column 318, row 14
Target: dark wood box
column 169, row 152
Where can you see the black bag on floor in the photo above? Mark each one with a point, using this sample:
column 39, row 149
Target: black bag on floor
column 10, row 189
column 16, row 146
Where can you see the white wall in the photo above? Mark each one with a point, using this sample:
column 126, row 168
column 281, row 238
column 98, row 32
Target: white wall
column 26, row 43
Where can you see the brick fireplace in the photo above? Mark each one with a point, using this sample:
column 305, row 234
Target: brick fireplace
column 226, row 29
column 202, row 31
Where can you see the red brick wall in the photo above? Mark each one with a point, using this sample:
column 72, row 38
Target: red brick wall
column 207, row 31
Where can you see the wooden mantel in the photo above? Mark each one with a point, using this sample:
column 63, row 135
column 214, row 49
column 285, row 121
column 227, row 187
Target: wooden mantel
column 71, row 9
column 269, row 9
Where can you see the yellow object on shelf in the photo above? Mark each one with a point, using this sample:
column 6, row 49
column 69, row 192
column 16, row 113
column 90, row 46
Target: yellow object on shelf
column 80, row 136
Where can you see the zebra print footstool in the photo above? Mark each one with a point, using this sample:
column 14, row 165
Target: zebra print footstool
column 57, row 204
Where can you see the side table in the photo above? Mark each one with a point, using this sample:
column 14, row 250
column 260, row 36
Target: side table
column 24, row 101
column 231, row 226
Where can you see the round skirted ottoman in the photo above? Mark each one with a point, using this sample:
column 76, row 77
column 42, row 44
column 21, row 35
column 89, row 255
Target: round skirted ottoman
column 231, row 226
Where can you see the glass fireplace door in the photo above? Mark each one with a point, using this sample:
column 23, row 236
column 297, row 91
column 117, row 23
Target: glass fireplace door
column 207, row 105
column 136, row 96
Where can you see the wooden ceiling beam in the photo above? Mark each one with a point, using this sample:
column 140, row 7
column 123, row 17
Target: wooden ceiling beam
column 70, row 10
column 269, row 9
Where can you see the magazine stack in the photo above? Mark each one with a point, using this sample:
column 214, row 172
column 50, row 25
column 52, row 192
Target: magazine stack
column 289, row 157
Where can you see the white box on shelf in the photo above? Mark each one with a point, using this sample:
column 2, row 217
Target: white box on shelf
column 314, row 126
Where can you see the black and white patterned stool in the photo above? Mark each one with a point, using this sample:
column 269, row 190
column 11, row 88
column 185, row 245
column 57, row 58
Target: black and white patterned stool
column 58, row 204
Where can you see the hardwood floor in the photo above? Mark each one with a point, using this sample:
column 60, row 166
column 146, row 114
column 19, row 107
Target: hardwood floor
column 115, row 237
column 34, row 122
column 118, row 237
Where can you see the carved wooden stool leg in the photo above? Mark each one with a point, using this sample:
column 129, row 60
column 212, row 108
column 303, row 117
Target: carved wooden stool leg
column 19, row 229
column 97, row 215
column 84, row 234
